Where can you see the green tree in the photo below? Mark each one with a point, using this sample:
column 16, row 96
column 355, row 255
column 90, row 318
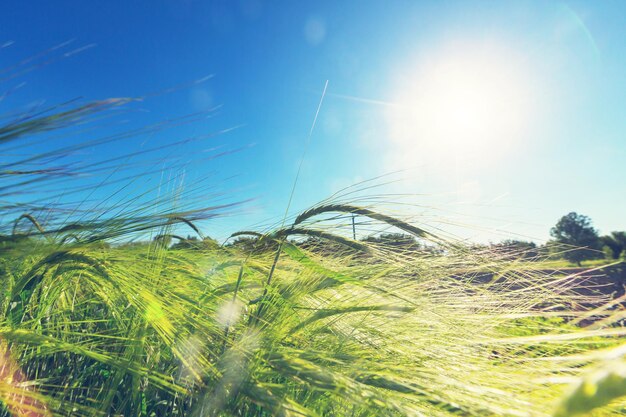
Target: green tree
column 616, row 241
column 576, row 230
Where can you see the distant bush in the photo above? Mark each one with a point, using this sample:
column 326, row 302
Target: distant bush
column 616, row 243
column 517, row 249
column 396, row 240
column 192, row 242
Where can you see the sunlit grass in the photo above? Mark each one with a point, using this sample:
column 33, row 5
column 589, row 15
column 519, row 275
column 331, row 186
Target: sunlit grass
column 151, row 330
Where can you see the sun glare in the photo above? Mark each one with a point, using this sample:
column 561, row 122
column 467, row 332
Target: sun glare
column 461, row 101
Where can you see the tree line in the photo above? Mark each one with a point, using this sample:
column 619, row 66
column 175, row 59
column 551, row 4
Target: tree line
column 573, row 238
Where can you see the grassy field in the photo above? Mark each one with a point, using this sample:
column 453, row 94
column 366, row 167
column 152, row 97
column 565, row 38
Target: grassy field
column 298, row 321
column 563, row 264
column 151, row 330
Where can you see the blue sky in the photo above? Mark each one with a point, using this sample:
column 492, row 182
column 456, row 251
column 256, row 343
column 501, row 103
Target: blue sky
column 500, row 116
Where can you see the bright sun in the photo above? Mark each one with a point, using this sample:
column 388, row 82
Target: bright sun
column 463, row 100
